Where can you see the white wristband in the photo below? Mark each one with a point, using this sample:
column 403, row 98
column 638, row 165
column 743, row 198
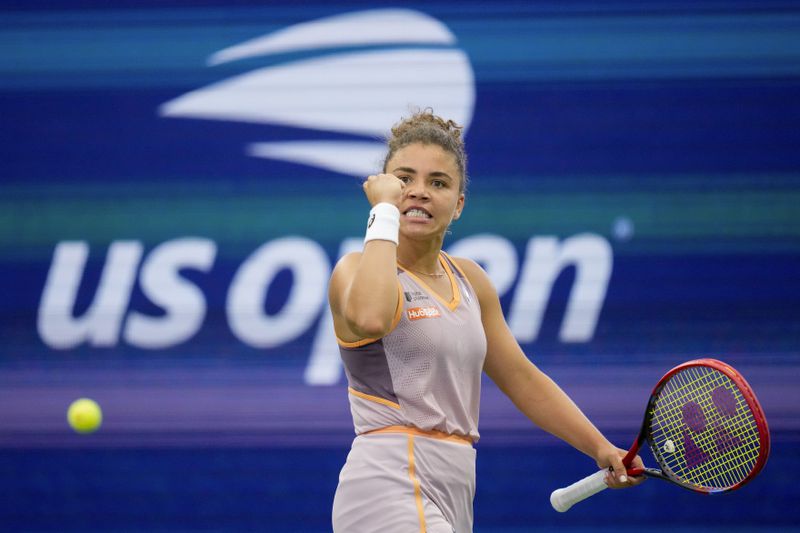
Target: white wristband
column 383, row 223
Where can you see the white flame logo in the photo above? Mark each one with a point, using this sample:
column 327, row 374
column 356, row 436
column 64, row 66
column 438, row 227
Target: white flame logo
column 360, row 93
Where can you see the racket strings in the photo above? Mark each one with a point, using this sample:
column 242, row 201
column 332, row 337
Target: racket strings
column 703, row 460
column 716, row 433
column 702, row 429
column 697, row 460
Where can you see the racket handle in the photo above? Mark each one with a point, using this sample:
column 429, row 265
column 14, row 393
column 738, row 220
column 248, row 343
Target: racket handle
column 563, row 499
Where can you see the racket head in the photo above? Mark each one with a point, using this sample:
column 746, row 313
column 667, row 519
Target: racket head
column 705, row 427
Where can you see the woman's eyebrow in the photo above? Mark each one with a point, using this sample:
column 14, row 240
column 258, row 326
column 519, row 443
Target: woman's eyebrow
column 440, row 174
column 434, row 174
column 408, row 170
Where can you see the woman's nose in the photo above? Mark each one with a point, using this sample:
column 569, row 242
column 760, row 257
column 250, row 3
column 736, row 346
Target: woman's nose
column 416, row 191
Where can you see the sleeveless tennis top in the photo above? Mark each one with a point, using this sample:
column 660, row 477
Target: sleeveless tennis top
column 426, row 372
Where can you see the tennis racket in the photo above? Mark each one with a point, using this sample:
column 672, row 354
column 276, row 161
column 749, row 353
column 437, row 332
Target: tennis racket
column 706, row 431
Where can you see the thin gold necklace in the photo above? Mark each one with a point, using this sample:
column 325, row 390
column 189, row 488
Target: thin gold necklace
column 433, row 275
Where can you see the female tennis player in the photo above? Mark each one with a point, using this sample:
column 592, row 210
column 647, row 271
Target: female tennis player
column 416, row 328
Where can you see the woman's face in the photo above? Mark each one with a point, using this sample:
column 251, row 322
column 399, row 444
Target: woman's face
column 431, row 199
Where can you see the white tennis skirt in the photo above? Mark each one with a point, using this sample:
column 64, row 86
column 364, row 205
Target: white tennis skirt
column 405, row 481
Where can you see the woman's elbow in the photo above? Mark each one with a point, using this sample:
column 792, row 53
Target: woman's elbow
column 370, row 326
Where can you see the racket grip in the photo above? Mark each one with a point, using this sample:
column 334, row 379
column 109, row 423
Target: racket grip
column 563, row 499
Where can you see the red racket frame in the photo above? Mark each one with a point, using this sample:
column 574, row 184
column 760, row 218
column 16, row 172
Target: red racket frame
column 752, row 403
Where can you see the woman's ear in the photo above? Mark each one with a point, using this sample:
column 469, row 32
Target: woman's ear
column 459, row 206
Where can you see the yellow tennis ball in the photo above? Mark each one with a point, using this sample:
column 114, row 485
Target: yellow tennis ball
column 84, row 415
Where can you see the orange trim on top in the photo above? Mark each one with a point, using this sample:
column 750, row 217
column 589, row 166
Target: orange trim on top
column 415, row 482
column 428, row 433
column 354, row 344
column 464, row 276
column 372, row 398
column 455, row 264
column 456, row 299
column 453, row 284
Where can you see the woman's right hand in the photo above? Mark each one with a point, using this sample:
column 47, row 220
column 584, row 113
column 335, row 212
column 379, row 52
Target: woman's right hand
column 384, row 188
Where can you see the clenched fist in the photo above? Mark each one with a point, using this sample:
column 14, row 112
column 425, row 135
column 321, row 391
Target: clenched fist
column 383, row 188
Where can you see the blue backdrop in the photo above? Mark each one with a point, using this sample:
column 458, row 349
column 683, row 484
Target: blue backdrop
column 178, row 178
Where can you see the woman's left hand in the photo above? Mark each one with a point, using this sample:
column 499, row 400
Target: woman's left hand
column 617, row 477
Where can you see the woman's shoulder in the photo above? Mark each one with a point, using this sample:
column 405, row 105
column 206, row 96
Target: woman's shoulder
column 476, row 275
column 468, row 266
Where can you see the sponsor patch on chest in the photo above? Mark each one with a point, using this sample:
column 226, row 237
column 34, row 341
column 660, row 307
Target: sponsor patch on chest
column 412, row 296
column 429, row 311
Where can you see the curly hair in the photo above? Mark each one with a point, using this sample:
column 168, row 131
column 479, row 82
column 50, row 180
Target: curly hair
column 427, row 128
